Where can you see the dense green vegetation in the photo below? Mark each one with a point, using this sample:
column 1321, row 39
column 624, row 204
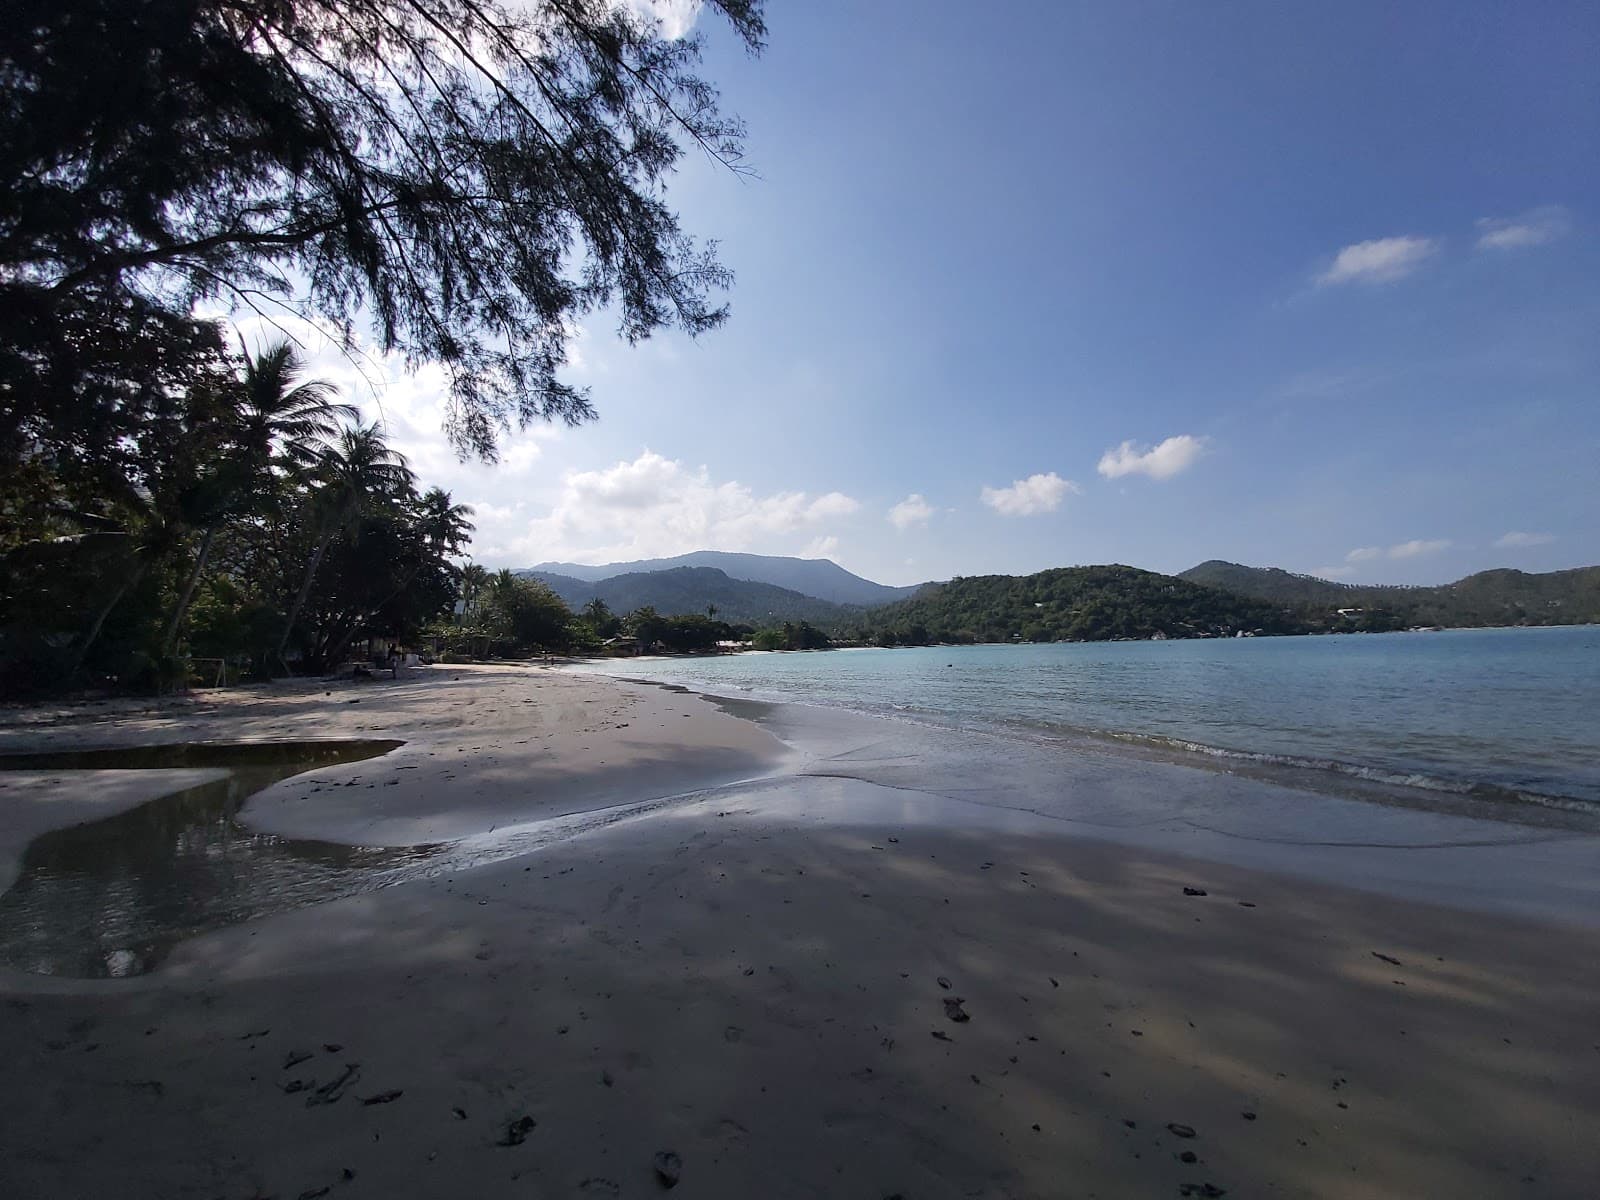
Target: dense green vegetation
column 791, row 636
column 596, row 627
column 1216, row 599
column 503, row 615
column 467, row 179
column 1499, row 597
column 1072, row 604
column 1096, row 603
column 246, row 521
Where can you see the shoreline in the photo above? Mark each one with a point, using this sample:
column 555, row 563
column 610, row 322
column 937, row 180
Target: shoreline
column 1469, row 762
column 1409, row 844
column 752, row 976
column 1346, row 780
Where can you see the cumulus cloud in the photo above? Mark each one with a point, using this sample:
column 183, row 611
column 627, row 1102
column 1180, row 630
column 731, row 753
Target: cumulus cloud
column 1534, row 228
column 1418, row 548
column 913, row 510
column 1158, row 462
column 821, row 547
column 1517, row 540
column 1029, row 497
column 1364, row 554
column 655, row 506
column 1382, row 260
column 834, row 504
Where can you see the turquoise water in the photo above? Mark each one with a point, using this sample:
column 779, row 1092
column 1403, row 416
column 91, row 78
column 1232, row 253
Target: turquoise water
column 1508, row 712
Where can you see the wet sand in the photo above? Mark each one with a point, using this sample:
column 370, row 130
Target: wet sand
column 484, row 747
column 802, row 986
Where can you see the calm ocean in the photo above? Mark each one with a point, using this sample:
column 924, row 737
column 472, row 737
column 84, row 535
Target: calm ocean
column 1506, row 712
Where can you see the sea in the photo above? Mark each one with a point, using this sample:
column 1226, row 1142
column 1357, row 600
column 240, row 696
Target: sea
column 1506, row 715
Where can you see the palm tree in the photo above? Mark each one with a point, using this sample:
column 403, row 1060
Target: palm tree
column 281, row 417
column 279, row 426
column 474, row 579
column 444, row 523
column 444, row 528
column 351, row 475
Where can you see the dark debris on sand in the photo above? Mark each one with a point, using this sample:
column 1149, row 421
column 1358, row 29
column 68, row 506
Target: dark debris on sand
column 669, row 1168
column 517, row 1131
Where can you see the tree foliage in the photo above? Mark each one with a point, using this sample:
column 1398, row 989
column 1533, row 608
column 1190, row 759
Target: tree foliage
column 244, row 519
column 791, row 635
column 1073, row 604
column 469, row 176
column 1497, row 597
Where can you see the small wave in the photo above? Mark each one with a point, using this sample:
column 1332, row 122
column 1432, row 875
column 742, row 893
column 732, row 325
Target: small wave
column 1366, row 776
column 1475, row 789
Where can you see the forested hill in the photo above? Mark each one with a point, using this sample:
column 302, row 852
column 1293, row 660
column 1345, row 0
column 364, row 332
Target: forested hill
column 1499, row 597
column 688, row 590
column 821, row 578
column 1074, row 604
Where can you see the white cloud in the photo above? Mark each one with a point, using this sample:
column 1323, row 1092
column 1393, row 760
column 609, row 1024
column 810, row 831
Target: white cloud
column 1534, row 228
column 1159, row 462
column 913, row 510
column 1029, row 497
column 411, row 406
column 1517, row 540
column 834, row 504
column 1379, row 261
column 655, row 506
column 1418, row 548
column 677, row 17
column 821, row 547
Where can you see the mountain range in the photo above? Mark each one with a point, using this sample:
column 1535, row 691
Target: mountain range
column 677, row 591
column 757, row 589
column 820, row 578
column 1496, row 597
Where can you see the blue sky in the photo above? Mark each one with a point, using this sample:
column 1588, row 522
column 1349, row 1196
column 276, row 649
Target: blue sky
column 1337, row 266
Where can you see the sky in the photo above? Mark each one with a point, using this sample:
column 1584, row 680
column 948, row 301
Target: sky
column 1041, row 284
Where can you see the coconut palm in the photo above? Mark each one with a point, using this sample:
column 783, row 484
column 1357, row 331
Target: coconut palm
column 474, row 579
column 349, row 476
column 283, row 418
column 279, row 426
column 443, row 522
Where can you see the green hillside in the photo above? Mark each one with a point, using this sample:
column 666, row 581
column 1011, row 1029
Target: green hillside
column 1499, row 597
column 1099, row 603
column 821, row 578
column 688, row 590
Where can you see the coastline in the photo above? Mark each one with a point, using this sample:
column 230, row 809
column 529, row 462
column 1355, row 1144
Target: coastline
column 1460, row 739
column 751, row 978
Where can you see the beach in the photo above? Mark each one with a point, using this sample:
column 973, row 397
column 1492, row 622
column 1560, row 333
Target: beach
column 762, row 953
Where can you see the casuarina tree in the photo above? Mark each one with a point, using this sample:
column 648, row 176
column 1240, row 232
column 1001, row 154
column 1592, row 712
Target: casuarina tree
column 466, row 177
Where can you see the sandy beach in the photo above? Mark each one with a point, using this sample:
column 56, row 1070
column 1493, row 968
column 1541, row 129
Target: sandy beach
column 767, row 978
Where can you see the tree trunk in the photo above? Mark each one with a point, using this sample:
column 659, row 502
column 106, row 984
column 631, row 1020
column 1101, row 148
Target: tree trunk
column 169, row 640
column 305, row 591
column 337, row 647
column 123, row 588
